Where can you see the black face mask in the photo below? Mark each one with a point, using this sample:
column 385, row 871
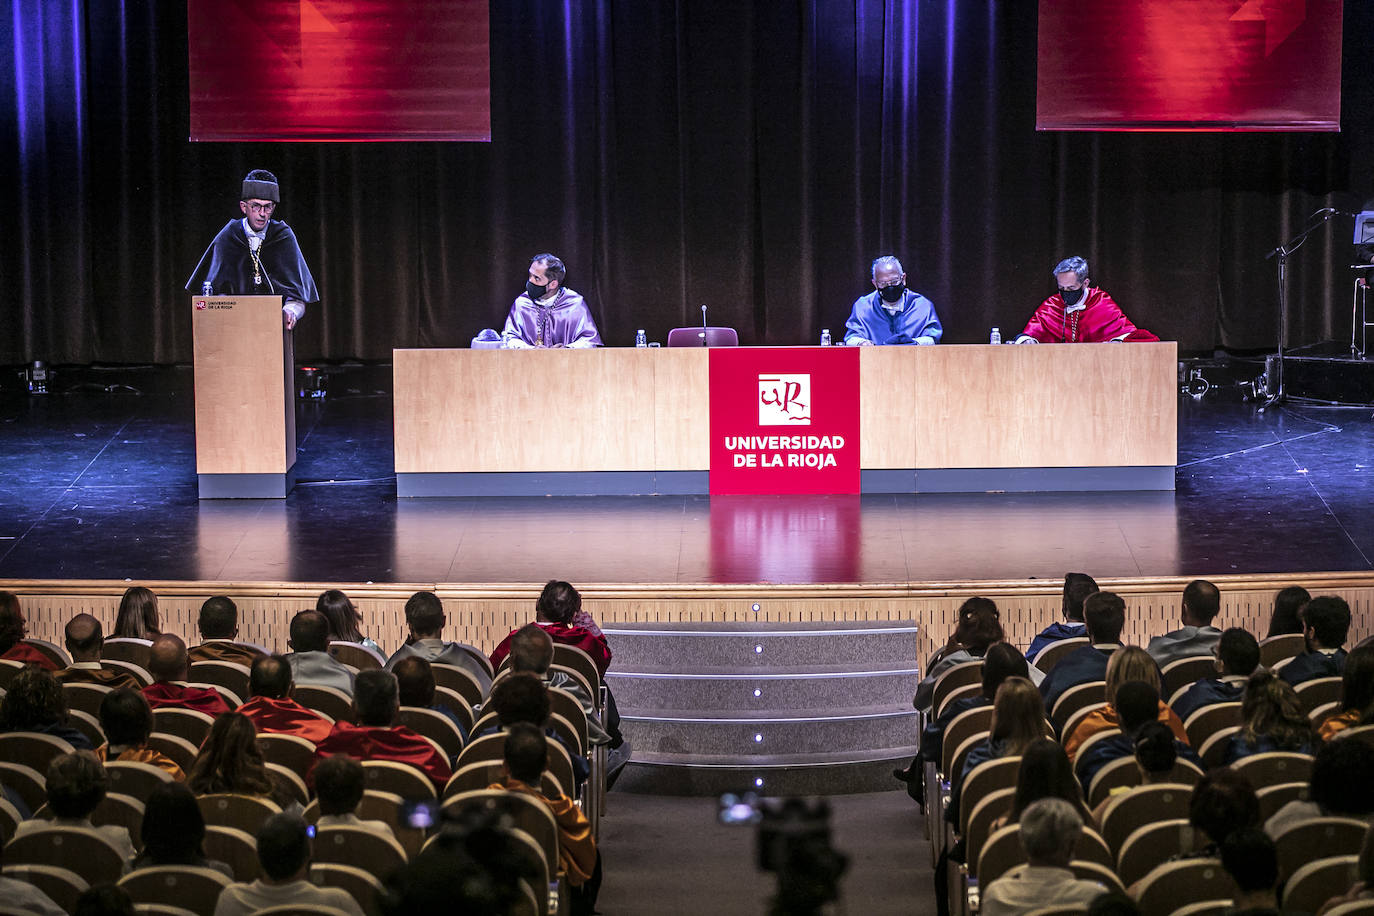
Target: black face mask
column 534, row 291
column 892, row 293
column 1071, row 296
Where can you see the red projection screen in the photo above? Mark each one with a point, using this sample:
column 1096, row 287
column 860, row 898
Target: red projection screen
column 1189, row 65
column 339, row 70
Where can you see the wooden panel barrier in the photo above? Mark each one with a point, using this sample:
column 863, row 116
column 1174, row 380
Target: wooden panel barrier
column 482, row 614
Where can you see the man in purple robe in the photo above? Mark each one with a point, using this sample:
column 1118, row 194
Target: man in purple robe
column 548, row 314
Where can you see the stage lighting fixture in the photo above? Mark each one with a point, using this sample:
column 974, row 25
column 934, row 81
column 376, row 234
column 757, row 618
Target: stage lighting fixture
column 36, row 376
column 313, row 383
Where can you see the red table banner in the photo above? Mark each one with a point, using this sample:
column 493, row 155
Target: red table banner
column 784, row 420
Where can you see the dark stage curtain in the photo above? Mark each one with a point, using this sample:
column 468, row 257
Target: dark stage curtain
column 753, row 157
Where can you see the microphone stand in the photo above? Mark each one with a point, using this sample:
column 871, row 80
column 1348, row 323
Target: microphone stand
column 1282, row 253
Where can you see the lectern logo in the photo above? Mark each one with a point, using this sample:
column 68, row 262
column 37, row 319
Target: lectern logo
column 201, row 305
column 785, row 400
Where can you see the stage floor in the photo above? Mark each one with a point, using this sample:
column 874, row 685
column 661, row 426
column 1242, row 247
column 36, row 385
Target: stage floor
column 101, row 484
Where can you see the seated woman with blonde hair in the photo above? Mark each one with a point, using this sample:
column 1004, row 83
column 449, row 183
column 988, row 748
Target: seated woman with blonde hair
column 1129, row 663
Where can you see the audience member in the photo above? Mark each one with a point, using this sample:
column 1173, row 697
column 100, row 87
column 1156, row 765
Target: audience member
column 345, row 623
column 35, row 703
column 1045, row 773
column 21, row 896
column 415, row 682
column 1114, row 903
column 76, row 785
column 231, row 763
column 1357, row 694
column 1273, row 721
column 1077, row 587
column 465, row 869
column 310, row 661
column 1129, row 663
column 138, row 617
column 127, row 721
column 1136, row 703
column 980, row 626
column 84, row 640
column 557, row 610
column 1104, row 615
column 1340, row 786
column 13, row 629
column 1222, row 803
column 173, row 831
column 531, row 652
column 376, row 736
column 525, row 756
column 104, row 900
column 1017, row 720
column 219, row 628
column 1050, row 829
column 1326, row 622
column 1001, row 662
column 339, row 786
column 271, row 707
column 425, row 619
column 1287, row 605
column 1251, row 859
column 284, row 856
column 1155, row 754
column 1238, row 656
column 1197, row 636
column 1363, row 886
column 169, row 663
column 524, row 698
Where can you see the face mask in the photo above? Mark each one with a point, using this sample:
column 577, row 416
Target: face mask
column 535, row 292
column 1071, row 296
column 892, row 293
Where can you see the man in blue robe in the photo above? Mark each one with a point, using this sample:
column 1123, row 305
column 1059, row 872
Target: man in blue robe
column 891, row 314
column 257, row 255
column 1238, row 655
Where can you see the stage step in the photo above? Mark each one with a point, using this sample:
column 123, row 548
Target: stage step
column 781, row 709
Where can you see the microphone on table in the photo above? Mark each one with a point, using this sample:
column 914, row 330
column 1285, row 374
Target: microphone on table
column 702, row 335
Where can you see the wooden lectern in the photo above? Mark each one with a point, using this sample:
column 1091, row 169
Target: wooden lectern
column 245, row 410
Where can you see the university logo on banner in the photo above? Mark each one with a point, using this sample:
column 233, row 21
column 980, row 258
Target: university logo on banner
column 784, row 420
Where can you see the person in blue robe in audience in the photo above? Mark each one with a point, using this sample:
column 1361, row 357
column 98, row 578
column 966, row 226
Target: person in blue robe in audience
column 1326, row 624
column 1104, row 615
column 1077, row 587
column 1274, row 721
column 1238, row 656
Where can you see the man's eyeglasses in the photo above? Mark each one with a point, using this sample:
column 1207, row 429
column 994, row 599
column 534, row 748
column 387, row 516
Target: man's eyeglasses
column 261, row 208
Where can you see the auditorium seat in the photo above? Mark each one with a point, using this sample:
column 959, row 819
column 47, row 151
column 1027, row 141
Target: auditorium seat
column 232, row 698
column 526, row 812
column 359, row 847
column 1149, row 846
column 288, row 781
column 1095, row 871
column 456, row 703
column 958, row 693
column 114, row 810
column 62, row 885
column 229, row 675
column 563, row 703
column 960, row 675
column 53, row 652
column 190, row 724
column 10, row 817
column 1320, row 714
column 1183, row 672
column 985, row 778
column 1051, row 655
column 1317, row 882
column 331, row 701
column 1206, row 721
column 88, row 725
column 1213, row 749
column 959, row 757
column 295, row 753
column 490, row 748
column 1176, row 884
column 178, row 749
column 1113, row 775
column 235, row 848
column 359, row 883
column 1353, row 908
column 482, row 773
column 1318, row 691
column 569, row 733
column 460, row 680
column 1071, row 724
column 1274, row 767
column 1359, row 733
column 1142, row 806
column 1074, row 699
column 1280, row 648
column 79, row 849
column 32, row 749
column 243, row 812
column 85, row 697
column 356, row 655
column 566, row 656
column 986, row 811
column 1317, row 838
column 970, row 722
column 9, row 670
column 1272, row 798
column 1003, row 852
column 190, row 887
column 377, row 805
column 26, row 782
column 137, row 672
column 397, row 778
column 126, row 649
column 435, row 726
column 1205, row 908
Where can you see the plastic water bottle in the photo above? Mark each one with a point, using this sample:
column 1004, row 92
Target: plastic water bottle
column 996, row 337
column 207, row 288
column 825, row 337
column 641, row 339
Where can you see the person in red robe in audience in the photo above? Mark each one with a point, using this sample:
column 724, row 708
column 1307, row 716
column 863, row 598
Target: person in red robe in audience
column 271, row 707
column 558, row 604
column 13, row 629
column 376, row 705
column 1079, row 313
column 168, row 663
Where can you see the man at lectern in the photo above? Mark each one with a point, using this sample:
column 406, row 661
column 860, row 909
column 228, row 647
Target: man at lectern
column 1079, row 313
column 257, row 255
column 891, row 314
column 548, row 314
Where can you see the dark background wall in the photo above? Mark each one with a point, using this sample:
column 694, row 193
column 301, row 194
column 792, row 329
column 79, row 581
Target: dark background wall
column 750, row 156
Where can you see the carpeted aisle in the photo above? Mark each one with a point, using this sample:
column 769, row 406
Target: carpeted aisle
column 667, row 856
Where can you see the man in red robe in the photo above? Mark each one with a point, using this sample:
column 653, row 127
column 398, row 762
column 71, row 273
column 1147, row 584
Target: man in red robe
column 168, row 663
column 558, row 604
column 273, row 710
column 376, row 705
column 13, row 629
column 1079, row 313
